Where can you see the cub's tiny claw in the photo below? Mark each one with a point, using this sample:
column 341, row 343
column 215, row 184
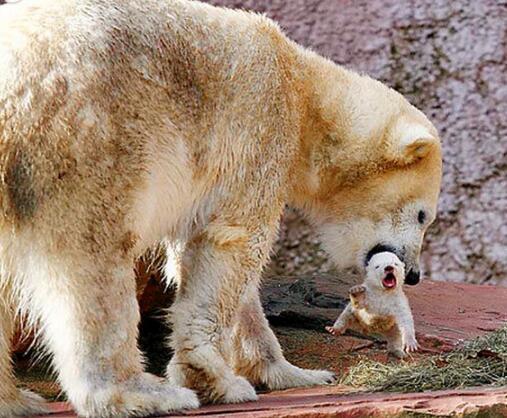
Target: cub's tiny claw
column 357, row 290
column 335, row 331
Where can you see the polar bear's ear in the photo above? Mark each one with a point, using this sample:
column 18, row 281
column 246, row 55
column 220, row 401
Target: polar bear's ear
column 418, row 147
column 415, row 144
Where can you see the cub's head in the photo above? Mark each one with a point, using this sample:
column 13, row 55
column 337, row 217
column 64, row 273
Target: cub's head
column 385, row 271
column 374, row 173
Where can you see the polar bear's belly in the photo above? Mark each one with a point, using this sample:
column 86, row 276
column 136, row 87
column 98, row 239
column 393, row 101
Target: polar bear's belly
column 168, row 198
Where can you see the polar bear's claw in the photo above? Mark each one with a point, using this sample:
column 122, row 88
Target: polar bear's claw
column 143, row 396
column 283, row 375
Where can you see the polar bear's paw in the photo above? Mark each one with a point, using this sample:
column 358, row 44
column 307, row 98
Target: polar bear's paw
column 143, row 396
column 283, row 375
column 26, row 404
column 230, row 389
column 238, row 390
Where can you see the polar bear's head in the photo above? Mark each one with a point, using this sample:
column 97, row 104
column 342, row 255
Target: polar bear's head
column 375, row 173
column 388, row 211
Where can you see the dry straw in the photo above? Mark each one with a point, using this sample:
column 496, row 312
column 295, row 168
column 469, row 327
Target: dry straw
column 482, row 361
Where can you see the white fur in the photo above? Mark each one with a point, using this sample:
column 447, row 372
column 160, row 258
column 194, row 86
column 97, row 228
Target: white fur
column 349, row 242
column 43, row 291
column 372, row 304
column 165, row 203
column 410, row 133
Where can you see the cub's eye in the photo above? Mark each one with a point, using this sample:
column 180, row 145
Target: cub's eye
column 421, row 217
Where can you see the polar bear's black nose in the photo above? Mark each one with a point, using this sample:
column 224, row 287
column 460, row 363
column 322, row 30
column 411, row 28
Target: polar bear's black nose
column 412, row 277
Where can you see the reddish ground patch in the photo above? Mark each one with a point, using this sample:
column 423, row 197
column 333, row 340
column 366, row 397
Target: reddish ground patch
column 313, row 349
column 445, row 314
column 336, row 402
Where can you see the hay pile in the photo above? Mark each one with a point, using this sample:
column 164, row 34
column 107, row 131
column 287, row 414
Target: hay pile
column 482, row 361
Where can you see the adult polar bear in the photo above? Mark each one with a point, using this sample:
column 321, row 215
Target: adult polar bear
column 124, row 123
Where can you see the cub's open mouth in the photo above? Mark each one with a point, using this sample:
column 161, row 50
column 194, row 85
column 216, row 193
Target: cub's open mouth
column 389, row 280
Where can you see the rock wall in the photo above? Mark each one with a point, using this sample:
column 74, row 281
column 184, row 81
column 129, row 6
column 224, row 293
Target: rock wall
column 450, row 59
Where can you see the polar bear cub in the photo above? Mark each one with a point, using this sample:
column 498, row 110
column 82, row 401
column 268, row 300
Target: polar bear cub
column 380, row 306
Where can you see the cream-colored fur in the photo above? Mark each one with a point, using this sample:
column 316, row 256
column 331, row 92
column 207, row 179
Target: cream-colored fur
column 377, row 309
column 124, row 123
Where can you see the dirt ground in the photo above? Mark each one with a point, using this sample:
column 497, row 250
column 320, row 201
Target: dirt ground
column 305, row 348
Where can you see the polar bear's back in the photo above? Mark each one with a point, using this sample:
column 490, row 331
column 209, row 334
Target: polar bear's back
column 85, row 86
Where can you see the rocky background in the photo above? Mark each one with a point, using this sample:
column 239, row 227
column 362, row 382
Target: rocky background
column 450, row 59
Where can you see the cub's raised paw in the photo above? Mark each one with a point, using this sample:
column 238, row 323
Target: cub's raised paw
column 358, row 296
column 357, row 290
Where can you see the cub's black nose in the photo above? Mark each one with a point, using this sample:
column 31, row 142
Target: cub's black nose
column 412, row 277
column 389, row 269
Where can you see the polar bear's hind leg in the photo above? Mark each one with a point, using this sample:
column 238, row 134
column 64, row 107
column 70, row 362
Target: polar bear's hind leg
column 13, row 401
column 258, row 355
column 89, row 314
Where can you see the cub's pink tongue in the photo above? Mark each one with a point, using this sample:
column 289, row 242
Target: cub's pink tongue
column 389, row 281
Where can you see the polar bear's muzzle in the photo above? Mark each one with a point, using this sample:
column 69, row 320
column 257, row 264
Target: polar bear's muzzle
column 412, row 277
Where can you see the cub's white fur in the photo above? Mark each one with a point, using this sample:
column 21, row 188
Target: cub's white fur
column 379, row 305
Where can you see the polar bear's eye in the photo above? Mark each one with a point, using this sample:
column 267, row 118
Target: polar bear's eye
column 421, row 217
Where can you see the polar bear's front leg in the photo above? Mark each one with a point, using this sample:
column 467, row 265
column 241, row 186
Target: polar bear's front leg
column 257, row 354
column 215, row 269
column 89, row 314
column 13, row 401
